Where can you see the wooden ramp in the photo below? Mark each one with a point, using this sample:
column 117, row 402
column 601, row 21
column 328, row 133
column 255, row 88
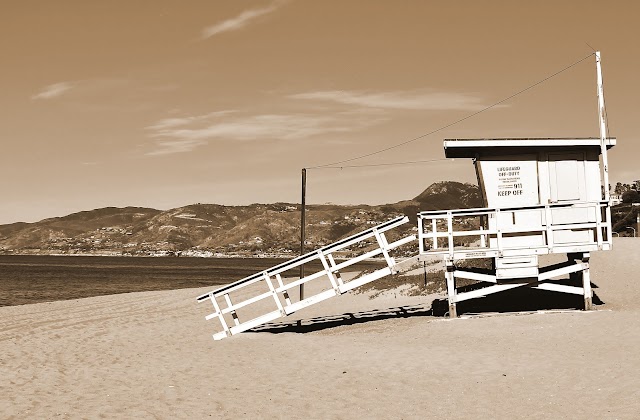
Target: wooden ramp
column 265, row 296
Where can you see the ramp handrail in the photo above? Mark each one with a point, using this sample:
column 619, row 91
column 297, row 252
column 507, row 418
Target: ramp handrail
column 330, row 269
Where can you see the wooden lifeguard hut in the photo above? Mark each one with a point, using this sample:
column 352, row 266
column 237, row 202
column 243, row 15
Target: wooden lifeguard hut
column 542, row 196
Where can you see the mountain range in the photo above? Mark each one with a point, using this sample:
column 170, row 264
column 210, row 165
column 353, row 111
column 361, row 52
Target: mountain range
column 218, row 230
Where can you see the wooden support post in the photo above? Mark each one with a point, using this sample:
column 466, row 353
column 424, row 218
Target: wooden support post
column 336, row 273
column 225, row 327
column 576, row 276
column 303, row 225
column 275, row 295
column 586, row 283
column 383, row 244
column 451, row 288
column 233, row 313
column 286, row 292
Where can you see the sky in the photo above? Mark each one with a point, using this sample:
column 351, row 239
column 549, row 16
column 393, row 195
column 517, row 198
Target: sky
column 167, row 103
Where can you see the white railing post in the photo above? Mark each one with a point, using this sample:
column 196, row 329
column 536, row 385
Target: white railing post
column 327, row 268
column 420, row 235
column 274, row 293
column 450, row 233
column 434, row 225
column 225, row 327
column 382, row 242
column 234, row 315
column 287, row 300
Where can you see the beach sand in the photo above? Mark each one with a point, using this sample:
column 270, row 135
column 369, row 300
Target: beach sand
column 151, row 355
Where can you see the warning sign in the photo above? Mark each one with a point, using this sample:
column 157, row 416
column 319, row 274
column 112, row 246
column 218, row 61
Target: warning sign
column 511, row 182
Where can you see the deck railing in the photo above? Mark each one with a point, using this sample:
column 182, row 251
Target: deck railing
column 537, row 229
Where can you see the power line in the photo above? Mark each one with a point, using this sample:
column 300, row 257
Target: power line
column 380, row 164
column 454, row 122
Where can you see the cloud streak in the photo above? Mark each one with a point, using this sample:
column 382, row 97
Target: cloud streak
column 53, row 91
column 240, row 21
column 168, row 123
column 405, row 100
column 186, row 134
column 168, row 147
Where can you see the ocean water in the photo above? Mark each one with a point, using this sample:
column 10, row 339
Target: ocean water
column 28, row 279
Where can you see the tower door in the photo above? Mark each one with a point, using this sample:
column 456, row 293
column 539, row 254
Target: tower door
column 567, row 177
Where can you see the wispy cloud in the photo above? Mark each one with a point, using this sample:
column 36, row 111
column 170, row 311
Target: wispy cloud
column 182, row 135
column 168, row 147
column 182, row 121
column 239, row 21
column 52, row 91
column 407, row 100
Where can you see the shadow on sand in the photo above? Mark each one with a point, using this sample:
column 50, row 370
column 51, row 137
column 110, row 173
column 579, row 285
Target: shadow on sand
column 521, row 299
column 515, row 300
column 349, row 318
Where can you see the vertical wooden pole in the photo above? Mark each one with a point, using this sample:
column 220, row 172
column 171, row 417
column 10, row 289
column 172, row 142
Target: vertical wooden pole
column 303, row 225
column 451, row 288
column 603, row 128
column 586, row 283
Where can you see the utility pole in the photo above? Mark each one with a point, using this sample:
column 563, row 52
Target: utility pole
column 303, row 225
column 603, row 127
column 603, row 143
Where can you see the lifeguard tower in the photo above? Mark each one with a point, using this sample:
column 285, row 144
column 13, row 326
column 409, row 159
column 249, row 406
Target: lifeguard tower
column 542, row 196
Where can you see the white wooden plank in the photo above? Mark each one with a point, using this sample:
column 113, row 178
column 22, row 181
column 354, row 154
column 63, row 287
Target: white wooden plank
column 274, row 294
column 246, row 302
column 560, row 271
column 301, row 281
column 227, row 299
column 255, row 322
column 475, row 276
column 218, row 314
column 327, row 269
column 553, row 287
column 357, row 259
column 287, row 300
column 434, row 226
column 220, row 335
column 382, row 243
column 486, row 291
column 586, row 284
column 451, row 288
column 401, row 242
column 310, row 301
column 367, row 278
column 344, row 243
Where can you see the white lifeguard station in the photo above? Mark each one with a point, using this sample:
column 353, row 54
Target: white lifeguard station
column 542, row 196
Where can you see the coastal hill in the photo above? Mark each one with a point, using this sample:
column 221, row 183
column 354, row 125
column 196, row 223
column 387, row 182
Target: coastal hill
column 210, row 229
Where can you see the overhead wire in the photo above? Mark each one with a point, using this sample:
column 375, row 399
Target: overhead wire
column 333, row 164
column 410, row 162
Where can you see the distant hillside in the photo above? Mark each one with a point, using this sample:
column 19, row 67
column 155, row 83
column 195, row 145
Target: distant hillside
column 207, row 229
column 449, row 195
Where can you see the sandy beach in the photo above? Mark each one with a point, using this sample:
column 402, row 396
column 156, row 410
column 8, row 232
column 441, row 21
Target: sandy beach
column 151, row 355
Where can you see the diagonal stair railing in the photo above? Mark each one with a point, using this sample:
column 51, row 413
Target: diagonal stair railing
column 267, row 294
